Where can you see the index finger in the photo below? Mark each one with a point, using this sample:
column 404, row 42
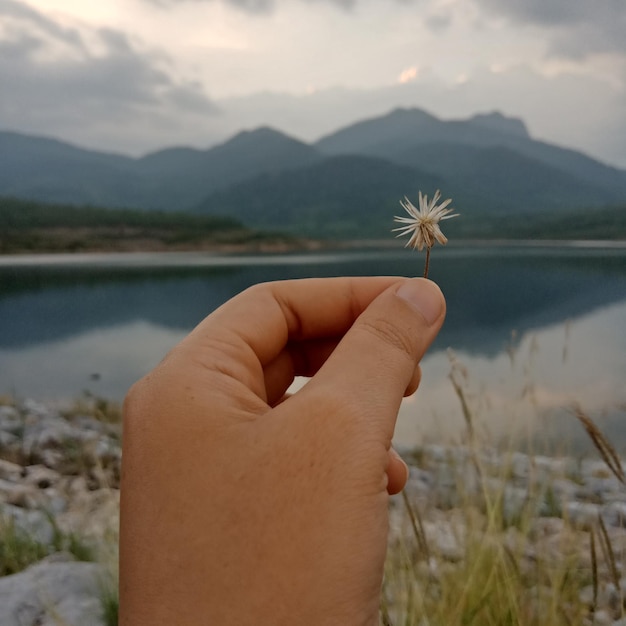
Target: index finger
column 260, row 321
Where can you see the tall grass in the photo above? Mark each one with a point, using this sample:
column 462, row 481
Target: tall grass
column 18, row 549
column 465, row 553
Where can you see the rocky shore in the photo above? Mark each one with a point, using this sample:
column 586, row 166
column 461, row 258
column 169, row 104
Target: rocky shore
column 554, row 527
column 59, row 504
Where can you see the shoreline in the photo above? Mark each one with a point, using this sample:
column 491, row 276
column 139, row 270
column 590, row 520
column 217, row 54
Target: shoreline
column 148, row 254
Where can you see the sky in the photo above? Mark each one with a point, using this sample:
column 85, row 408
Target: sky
column 133, row 76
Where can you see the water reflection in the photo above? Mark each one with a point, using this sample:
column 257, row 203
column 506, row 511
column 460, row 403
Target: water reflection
column 531, row 388
column 116, row 316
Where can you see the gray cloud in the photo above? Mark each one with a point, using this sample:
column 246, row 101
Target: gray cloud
column 261, row 6
column 438, row 22
column 553, row 12
column 20, row 46
column 21, row 12
column 101, row 93
column 253, row 6
column 576, row 28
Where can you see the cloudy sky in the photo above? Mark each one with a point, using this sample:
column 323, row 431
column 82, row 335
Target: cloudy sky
column 135, row 75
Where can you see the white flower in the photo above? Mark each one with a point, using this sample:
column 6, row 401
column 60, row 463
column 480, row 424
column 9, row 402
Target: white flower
column 423, row 224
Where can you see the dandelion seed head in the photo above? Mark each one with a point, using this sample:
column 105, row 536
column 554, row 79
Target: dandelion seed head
column 422, row 225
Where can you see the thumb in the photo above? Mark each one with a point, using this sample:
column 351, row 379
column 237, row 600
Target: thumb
column 376, row 360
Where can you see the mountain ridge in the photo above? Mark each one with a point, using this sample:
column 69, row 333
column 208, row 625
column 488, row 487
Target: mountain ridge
column 488, row 163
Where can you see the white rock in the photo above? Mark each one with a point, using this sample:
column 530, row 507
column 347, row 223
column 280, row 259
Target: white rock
column 19, row 494
column 602, row 618
column 8, row 439
column 35, row 524
column 48, row 594
column 446, row 542
column 10, row 471
column 546, row 527
column 614, row 514
column 9, row 418
column 582, row 515
column 40, row 476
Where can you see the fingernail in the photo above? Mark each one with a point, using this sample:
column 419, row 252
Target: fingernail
column 424, row 296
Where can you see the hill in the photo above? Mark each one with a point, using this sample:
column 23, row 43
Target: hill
column 347, row 184
column 28, row 226
column 176, row 179
column 344, row 196
column 181, row 177
column 45, row 169
column 407, row 131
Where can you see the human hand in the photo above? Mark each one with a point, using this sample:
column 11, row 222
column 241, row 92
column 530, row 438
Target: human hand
column 241, row 506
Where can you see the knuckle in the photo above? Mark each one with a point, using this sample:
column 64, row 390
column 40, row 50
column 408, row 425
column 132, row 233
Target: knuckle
column 390, row 336
column 258, row 290
column 131, row 401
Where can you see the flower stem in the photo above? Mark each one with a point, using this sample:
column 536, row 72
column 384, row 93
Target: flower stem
column 427, row 265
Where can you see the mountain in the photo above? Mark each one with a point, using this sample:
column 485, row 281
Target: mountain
column 406, row 131
column 172, row 179
column 357, row 196
column 348, row 183
column 501, row 180
column 403, row 129
column 489, row 165
column 339, row 196
column 45, row 169
column 182, row 177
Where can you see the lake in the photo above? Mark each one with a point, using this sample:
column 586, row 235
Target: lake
column 532, row 329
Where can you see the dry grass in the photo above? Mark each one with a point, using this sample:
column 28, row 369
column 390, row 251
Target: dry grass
column 503, row 572
column 606, row 450
column 99, row 408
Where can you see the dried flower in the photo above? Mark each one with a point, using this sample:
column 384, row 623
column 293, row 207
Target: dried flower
column 423, row 223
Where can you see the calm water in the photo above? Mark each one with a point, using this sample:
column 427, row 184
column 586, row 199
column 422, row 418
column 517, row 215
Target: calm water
column 536, row 328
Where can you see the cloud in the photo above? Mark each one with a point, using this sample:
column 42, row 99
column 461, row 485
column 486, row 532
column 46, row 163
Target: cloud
column 253, row 6
column 19, row 12
column 554, row 12
column 19, row 47
column 54, row 82
column 438, row 22
column 408, row 75
column 260, row 6
column 578, row 28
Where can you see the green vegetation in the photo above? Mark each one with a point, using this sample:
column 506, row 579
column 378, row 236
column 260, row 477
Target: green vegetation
column 356, row 197
column 24, row 215
column 501, row 573
column 109, row 580
column 603, row 223
column 344, row 197
column 110, row 604
column 346, row 186
column 521, row 562
column 19, row 550
column 28, row 226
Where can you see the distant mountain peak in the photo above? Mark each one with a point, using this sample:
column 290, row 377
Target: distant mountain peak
column 410, row 113
column 501, row 123
column 262, row 133
column 370, row 133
